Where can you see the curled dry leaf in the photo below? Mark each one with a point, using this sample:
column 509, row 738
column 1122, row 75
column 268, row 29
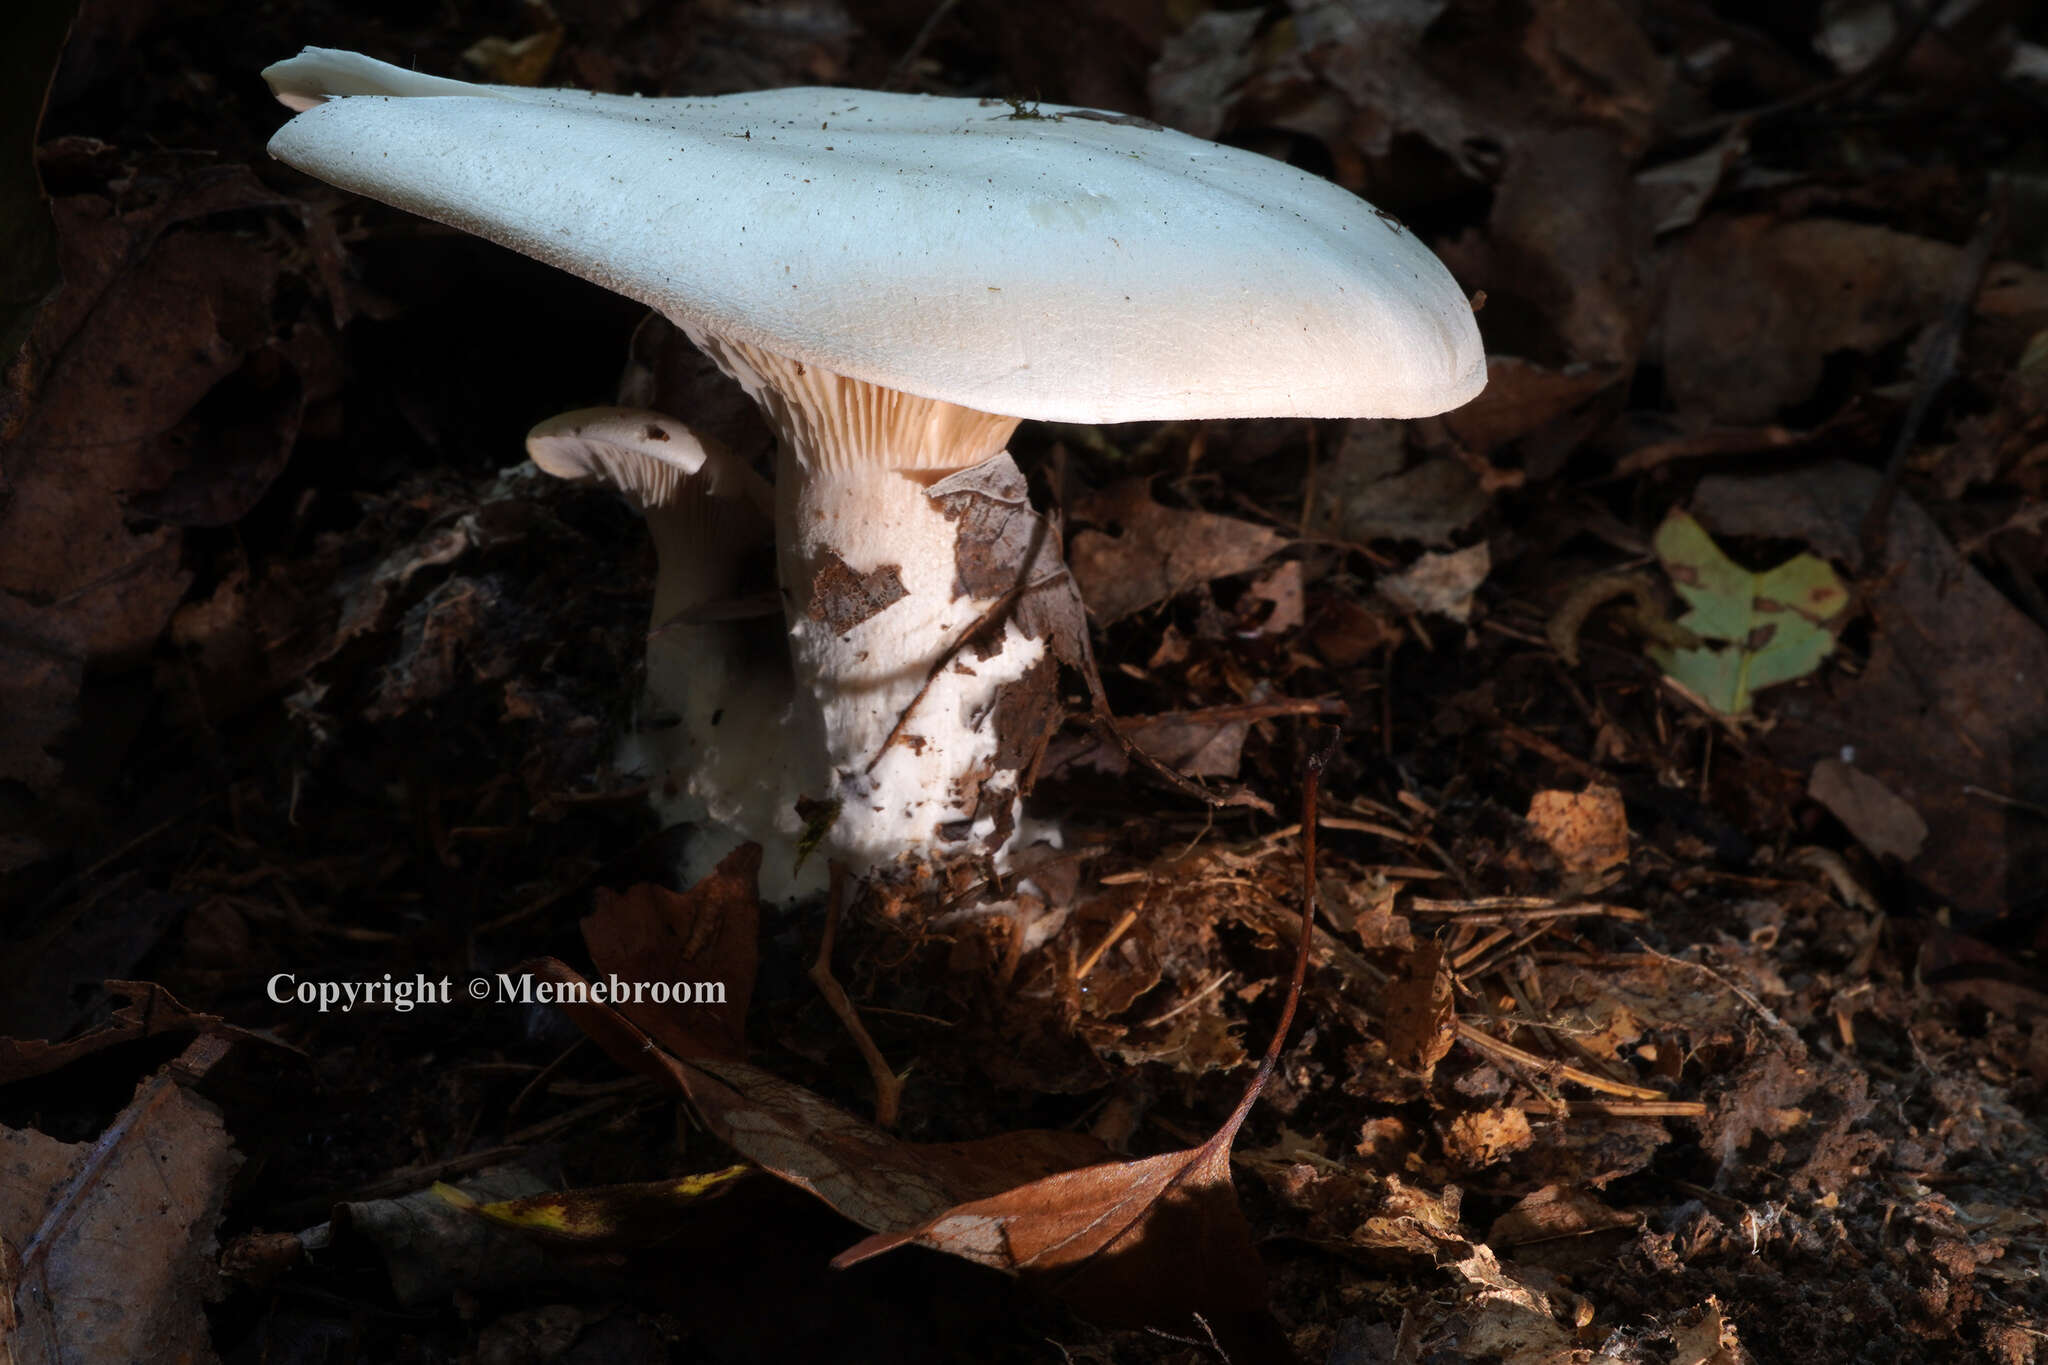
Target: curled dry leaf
column 1145, row 1242
column 1509, row 1313
column 613, row 1217
column 1709, row 1339
column 1556, row 1211
column 432, row 1245
column 1480, row 1138
column 1273, row 600
column 1674, row 193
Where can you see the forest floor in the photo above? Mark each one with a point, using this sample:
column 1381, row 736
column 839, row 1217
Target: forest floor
column 1650, row 1016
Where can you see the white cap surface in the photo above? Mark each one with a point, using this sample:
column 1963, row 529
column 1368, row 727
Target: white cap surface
column 1054, row 266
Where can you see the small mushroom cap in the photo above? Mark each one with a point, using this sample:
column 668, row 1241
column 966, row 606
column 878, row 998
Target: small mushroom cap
column 645, row 455
column 1046, row 263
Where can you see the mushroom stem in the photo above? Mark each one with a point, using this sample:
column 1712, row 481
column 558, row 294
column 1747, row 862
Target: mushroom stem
column 930, row 708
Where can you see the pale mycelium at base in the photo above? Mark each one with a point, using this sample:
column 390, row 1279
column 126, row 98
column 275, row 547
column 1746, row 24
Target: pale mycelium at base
column 898, row 280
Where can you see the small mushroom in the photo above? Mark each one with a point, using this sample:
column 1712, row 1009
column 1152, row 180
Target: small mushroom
column 717, row 735
column 898, row 280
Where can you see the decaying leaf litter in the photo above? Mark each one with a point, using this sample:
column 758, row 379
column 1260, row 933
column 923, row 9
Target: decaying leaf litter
column 1642, row 1022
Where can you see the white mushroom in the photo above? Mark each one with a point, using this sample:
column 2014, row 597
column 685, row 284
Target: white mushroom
column 718, row 735
column 898, row 280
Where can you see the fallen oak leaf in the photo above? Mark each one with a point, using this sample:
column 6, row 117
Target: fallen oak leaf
column 1144, row 1242
column 1777, row 625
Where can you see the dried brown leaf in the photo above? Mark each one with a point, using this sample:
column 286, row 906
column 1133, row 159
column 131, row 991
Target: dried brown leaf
column 706, row 934
column 1159, row 551
column 433, row 1244
column 1755, row 306
column 1578, row 260
column 115, row 450
column 1709, row 1339
column 1588, row 830
column 1370, row 496
column 1881, row 821
column 115, row 1237
column 1418, row 1009
column 1556, row 1211
column 863, row 1172
column 1521, row 397
column 1440, row 584
column 1480, row 1138
column 1154, row 1237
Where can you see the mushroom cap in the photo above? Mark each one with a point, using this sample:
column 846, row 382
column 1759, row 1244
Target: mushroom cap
column 648, row 456
column 1045, row 263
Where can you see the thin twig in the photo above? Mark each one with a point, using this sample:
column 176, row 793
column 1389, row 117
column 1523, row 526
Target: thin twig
column 542, row 1077
column 1109, row 940
column 1510, row 908
column 1863, row 79
column 1945, row 344
column 900, row 72
column 1494, row 1047
column 888, row 1085
column 1627, row 1109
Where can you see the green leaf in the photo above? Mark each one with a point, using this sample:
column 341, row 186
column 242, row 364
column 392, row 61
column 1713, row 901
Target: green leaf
column 1771, row 627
